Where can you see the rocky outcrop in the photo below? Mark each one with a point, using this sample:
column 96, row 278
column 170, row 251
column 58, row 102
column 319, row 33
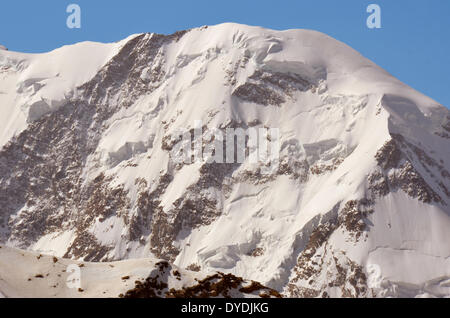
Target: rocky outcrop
column 397, row 160
column 213, row 286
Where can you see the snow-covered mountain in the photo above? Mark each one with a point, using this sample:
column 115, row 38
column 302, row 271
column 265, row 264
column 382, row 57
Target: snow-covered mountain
column 359, row 205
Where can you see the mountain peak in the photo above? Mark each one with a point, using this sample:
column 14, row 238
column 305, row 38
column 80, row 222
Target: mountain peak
column 92, row 133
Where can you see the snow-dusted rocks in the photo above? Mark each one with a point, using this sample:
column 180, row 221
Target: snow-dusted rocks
column 359, row 205
column 28, row 274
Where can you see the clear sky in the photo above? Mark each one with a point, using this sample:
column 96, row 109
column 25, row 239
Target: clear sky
column 413, row 43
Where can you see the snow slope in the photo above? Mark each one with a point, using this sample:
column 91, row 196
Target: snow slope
column 39, row 83
column 359, row 206
column 24, row 274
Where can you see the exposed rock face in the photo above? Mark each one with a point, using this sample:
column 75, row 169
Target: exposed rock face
column 94, row 178
column 271, row 88
column 321, row 259
column 396, row 159
column 46, row 161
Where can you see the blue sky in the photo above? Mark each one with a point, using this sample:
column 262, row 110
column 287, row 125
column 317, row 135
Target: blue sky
column 413, row 43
